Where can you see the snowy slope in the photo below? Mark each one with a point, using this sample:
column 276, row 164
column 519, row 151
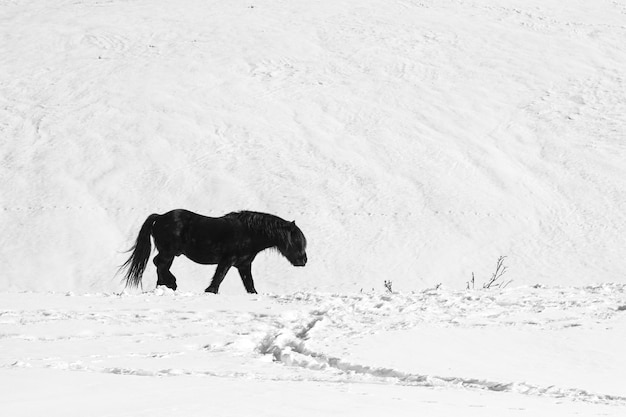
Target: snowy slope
column 415, row 141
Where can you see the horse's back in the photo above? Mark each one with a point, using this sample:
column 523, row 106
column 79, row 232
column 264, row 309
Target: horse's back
column 192, row 227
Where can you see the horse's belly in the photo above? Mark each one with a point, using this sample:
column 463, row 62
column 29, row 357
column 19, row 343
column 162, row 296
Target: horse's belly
column 206, row 258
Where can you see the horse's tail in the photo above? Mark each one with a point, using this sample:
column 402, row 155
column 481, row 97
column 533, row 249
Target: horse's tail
column 141, row 250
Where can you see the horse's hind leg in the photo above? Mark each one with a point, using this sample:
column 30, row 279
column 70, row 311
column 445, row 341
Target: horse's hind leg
column 165, row 277
column 245, row 272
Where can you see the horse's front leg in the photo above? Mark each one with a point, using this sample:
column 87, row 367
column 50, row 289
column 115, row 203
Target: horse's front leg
column 245, row 272
column 218, row 277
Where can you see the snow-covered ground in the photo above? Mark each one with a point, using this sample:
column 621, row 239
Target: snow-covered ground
column 414, row 141
column 524, row 351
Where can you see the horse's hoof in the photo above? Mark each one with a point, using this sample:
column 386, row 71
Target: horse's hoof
column 211, row 290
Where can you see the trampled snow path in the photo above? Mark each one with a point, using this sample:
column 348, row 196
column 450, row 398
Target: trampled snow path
column 371, row 314
column 331, row 338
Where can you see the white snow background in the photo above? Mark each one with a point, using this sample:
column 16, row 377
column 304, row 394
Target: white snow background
column 412, row 141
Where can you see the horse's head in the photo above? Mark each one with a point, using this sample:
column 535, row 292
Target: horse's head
column 293, row 246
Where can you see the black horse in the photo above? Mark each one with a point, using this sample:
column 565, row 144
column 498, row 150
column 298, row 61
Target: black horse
column 231, row 240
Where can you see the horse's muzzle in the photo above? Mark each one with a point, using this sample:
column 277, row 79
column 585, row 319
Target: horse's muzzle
column 300, row 261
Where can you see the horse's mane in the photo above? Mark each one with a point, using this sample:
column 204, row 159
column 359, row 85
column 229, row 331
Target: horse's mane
column 266, row 224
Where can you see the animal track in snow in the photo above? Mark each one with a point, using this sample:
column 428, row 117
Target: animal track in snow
column 288, row 346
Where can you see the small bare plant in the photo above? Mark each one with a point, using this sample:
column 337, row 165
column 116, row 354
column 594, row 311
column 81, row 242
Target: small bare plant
column 388, row 286
column 495, row 281
column 500, row 270
column 470, row 282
